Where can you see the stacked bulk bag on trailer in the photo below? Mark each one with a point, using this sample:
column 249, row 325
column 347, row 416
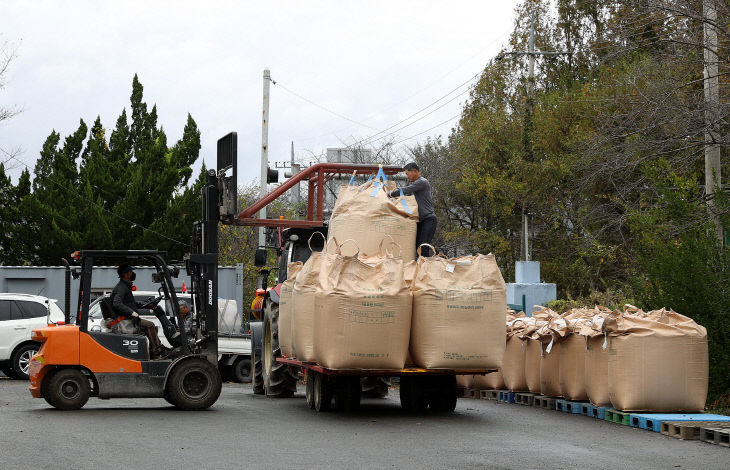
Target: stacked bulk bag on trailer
column 366, row 214
column 496, row 380
column 458, row 312
column 286, row 308
column 308, row 285
column 363, row 315
column 656, row 362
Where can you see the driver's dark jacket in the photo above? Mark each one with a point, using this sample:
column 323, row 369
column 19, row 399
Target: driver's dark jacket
column 123, row 299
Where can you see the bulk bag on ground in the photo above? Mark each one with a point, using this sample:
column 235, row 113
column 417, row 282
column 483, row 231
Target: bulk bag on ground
column 308, row 285
column 491, row 381
column 533, row 345
column 458, row 312
column 657, row 362
column 465, row 381
column 550, row 337
column 596, row 359
column 363, row 319
column 366, row 214
column 573, row 354
column 513, row 364
column 286, row 307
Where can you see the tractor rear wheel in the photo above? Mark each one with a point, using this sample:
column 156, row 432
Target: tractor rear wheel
column 195, row 384
column 257, row 380
column 279, row 379
column 67, row 389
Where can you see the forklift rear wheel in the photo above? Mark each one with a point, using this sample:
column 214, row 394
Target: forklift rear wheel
column 309, row 390
column 279, row 380
column 322, row 393
column 195, row 384
column 258, row 378
column 241, row 370
column 67, row 389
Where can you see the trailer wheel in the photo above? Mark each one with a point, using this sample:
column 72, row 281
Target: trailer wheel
column 279, row 380
column 443, row 395
column 322, row 393
column 309, row 390
column 194, row 384
column 67, row 389
column 347, row 396
column 241, row 370
column 258, row 379
column 375, row 387
column 412, row 394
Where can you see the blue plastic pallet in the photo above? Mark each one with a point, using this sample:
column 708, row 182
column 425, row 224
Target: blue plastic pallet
column 598, row 412
column 505, row 396
column 653, row 421
column 567, row 406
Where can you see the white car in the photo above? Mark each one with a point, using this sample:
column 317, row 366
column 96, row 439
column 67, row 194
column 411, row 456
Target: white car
column 20, row 314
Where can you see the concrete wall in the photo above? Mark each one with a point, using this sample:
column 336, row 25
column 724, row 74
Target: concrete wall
column 49, row 281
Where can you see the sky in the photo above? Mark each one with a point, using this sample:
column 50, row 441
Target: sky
column 345, row 70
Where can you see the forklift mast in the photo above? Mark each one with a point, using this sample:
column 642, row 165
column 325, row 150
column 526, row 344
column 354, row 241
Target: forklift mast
column 202, row 265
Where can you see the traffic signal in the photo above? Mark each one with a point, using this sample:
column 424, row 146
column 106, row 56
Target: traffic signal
column 272, row 175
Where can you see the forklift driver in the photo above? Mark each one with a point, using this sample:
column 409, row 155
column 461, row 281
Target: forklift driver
column 125, row 307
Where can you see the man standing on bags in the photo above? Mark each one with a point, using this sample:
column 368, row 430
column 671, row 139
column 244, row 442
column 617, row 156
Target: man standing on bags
column 421, row 189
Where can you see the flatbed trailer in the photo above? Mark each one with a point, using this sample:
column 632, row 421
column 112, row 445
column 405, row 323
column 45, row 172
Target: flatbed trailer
column 419, row 388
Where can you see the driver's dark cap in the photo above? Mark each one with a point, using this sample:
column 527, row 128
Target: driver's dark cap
column 124, row 269
column 411, row 166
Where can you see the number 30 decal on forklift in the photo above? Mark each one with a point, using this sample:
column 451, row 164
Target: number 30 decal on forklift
column 132, row 344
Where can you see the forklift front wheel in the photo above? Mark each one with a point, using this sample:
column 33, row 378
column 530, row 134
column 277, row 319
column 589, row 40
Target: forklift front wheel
column 195, row 384
column 67, row 389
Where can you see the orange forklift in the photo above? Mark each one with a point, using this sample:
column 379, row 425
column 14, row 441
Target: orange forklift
column 75, row 363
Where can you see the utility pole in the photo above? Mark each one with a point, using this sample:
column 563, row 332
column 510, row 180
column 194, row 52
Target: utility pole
column 264, row 152
column 531, row 53
column 296, row 190
column 713, row 177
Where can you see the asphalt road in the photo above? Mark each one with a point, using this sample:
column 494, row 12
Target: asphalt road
column 243, row 430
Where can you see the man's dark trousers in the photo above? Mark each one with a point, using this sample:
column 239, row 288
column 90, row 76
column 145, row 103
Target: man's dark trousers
column 424, row 234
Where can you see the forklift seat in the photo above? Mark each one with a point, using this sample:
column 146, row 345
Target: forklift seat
column 123, row 327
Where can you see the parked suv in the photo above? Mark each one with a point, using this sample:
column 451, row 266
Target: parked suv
column 20, row 314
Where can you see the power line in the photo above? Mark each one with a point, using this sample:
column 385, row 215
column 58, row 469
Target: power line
column 370, row 138
column 324, row 108
column 428, row 130
column 131, row 223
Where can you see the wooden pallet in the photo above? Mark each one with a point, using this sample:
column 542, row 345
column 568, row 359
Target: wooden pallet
column 617, row 417
column 527, row 399
column 544, row 402
column 688, row 430
column 715, row 435
column 489, row 394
